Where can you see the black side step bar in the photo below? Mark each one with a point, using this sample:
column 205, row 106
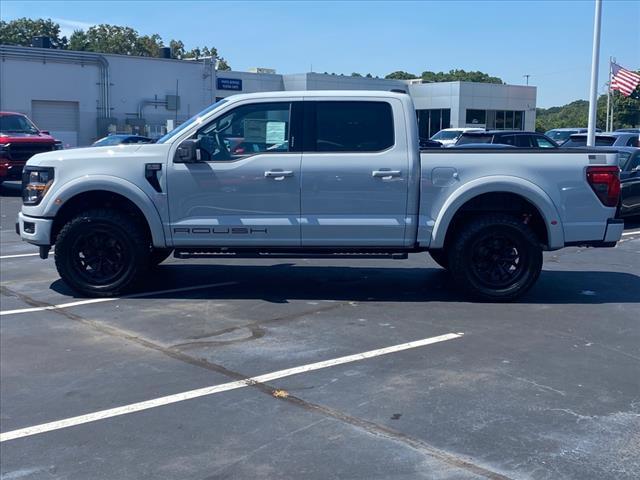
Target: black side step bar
column 253, row 254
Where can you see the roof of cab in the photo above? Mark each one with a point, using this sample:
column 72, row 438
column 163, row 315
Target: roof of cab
column 319, row 93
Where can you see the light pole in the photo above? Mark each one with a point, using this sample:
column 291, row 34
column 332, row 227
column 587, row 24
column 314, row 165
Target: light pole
column 595, row 57
column 527, row 77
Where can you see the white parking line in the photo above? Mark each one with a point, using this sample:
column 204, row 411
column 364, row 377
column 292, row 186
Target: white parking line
column 225, row 387
column 113, row 299
column 632, row 232
column 20, row 255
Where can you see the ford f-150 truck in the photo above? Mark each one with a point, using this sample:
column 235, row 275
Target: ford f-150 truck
column 336, row 174
column 20, row 139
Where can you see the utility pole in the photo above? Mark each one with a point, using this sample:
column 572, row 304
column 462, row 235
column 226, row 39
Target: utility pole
column 606, row 124
column 595, row 57
column 527, row 77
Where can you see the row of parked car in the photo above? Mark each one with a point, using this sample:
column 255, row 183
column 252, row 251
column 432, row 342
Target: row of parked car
column 559, row 137
column 625, row 141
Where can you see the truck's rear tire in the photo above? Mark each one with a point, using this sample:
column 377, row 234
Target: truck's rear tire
column 495, row 257
column 441, row 257
column 102, row 252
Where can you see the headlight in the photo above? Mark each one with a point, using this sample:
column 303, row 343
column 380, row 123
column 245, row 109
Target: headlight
column 35, row 183
column 4, row 151
column 58, row 145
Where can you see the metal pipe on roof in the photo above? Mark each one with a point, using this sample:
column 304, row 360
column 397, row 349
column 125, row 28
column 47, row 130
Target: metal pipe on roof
column 66, row 56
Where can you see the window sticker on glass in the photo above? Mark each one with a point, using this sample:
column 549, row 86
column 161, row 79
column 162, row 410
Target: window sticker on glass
column 255, row 130
column 276, row 132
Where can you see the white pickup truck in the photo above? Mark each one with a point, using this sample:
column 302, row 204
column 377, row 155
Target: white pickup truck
column 334, row 174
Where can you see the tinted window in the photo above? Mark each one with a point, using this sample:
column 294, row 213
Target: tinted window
column 468, row 138
column 506, row 139
column 559, row 135
column 352, row 127
column 633, row 142
column 246, row 130
column 523, row 141
column 542, row 142
column 581, row 141
column 623, row 159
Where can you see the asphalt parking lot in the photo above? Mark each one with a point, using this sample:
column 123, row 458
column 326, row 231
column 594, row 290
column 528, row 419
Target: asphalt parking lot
column 310, row 369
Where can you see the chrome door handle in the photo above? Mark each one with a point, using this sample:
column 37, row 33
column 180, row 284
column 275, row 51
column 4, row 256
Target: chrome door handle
column 386, row 174
column 278, row 174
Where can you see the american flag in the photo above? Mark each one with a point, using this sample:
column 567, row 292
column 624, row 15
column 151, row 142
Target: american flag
column 623, row 80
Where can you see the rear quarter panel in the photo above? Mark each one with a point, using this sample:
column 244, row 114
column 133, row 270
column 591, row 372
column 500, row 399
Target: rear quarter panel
column 554, row 181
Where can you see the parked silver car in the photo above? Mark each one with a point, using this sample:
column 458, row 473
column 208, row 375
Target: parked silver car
column 606, row 139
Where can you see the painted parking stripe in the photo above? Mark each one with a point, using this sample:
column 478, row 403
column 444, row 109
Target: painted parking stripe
column 25, row 255
column 113, row 299
column 632, row 232
column 225, row 387
column 19, row 255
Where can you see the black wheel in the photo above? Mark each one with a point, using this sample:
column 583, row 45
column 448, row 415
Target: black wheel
column 441, row 257
column 159, row 255
column 102, row 253
column 495, row 258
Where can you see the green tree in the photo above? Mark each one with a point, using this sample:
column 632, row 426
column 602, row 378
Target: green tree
column 223, row 65
column 356, row 74
column 22, row 30
column 105, row 38
column 575, row 114
column 177, row 48
column 459, row 76
column 401, row 75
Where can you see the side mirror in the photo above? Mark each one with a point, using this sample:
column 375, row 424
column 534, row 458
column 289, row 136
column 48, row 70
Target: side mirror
column 188, row 151
column 45, row 132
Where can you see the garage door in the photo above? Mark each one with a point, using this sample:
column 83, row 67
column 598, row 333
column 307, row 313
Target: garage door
column 59, row 118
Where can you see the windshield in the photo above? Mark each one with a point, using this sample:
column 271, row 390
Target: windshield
column 111, row 140
column 559, row 135
column 17, row 124
column 581, row 141
column 190, row 122
column 446, row 135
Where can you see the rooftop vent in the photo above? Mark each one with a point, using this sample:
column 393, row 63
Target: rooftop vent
column 41, row 42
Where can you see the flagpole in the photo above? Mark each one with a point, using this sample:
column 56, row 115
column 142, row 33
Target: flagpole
column 595, row 57
column 606, row 124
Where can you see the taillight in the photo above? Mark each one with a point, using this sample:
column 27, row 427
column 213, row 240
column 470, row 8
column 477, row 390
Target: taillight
column 605, row 182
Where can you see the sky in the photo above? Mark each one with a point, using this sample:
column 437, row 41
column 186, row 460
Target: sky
column 550, row 40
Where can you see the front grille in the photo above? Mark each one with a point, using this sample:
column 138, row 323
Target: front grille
column 21, row 152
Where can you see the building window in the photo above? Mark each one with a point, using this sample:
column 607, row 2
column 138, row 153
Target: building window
column 496, row 119
column 432, row 121
column 476, row 117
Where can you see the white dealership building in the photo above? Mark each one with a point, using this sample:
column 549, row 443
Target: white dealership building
column 81, row 96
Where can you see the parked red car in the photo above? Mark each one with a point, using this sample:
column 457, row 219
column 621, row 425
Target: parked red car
column 20, row 139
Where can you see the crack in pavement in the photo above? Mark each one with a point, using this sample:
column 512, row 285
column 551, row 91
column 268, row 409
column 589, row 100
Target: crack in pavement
column 362, row 424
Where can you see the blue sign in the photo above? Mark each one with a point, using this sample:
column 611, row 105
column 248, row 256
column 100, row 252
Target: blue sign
column 229, row 84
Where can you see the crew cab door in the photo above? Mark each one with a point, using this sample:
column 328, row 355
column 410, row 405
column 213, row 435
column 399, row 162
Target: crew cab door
column 245, row 188
column 355, row 169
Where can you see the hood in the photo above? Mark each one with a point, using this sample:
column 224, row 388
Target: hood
column 25, row 137
column 51, row 159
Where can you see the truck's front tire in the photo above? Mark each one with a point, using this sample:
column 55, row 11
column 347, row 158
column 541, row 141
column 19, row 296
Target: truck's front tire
column 495, row 257
column 102, row 253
